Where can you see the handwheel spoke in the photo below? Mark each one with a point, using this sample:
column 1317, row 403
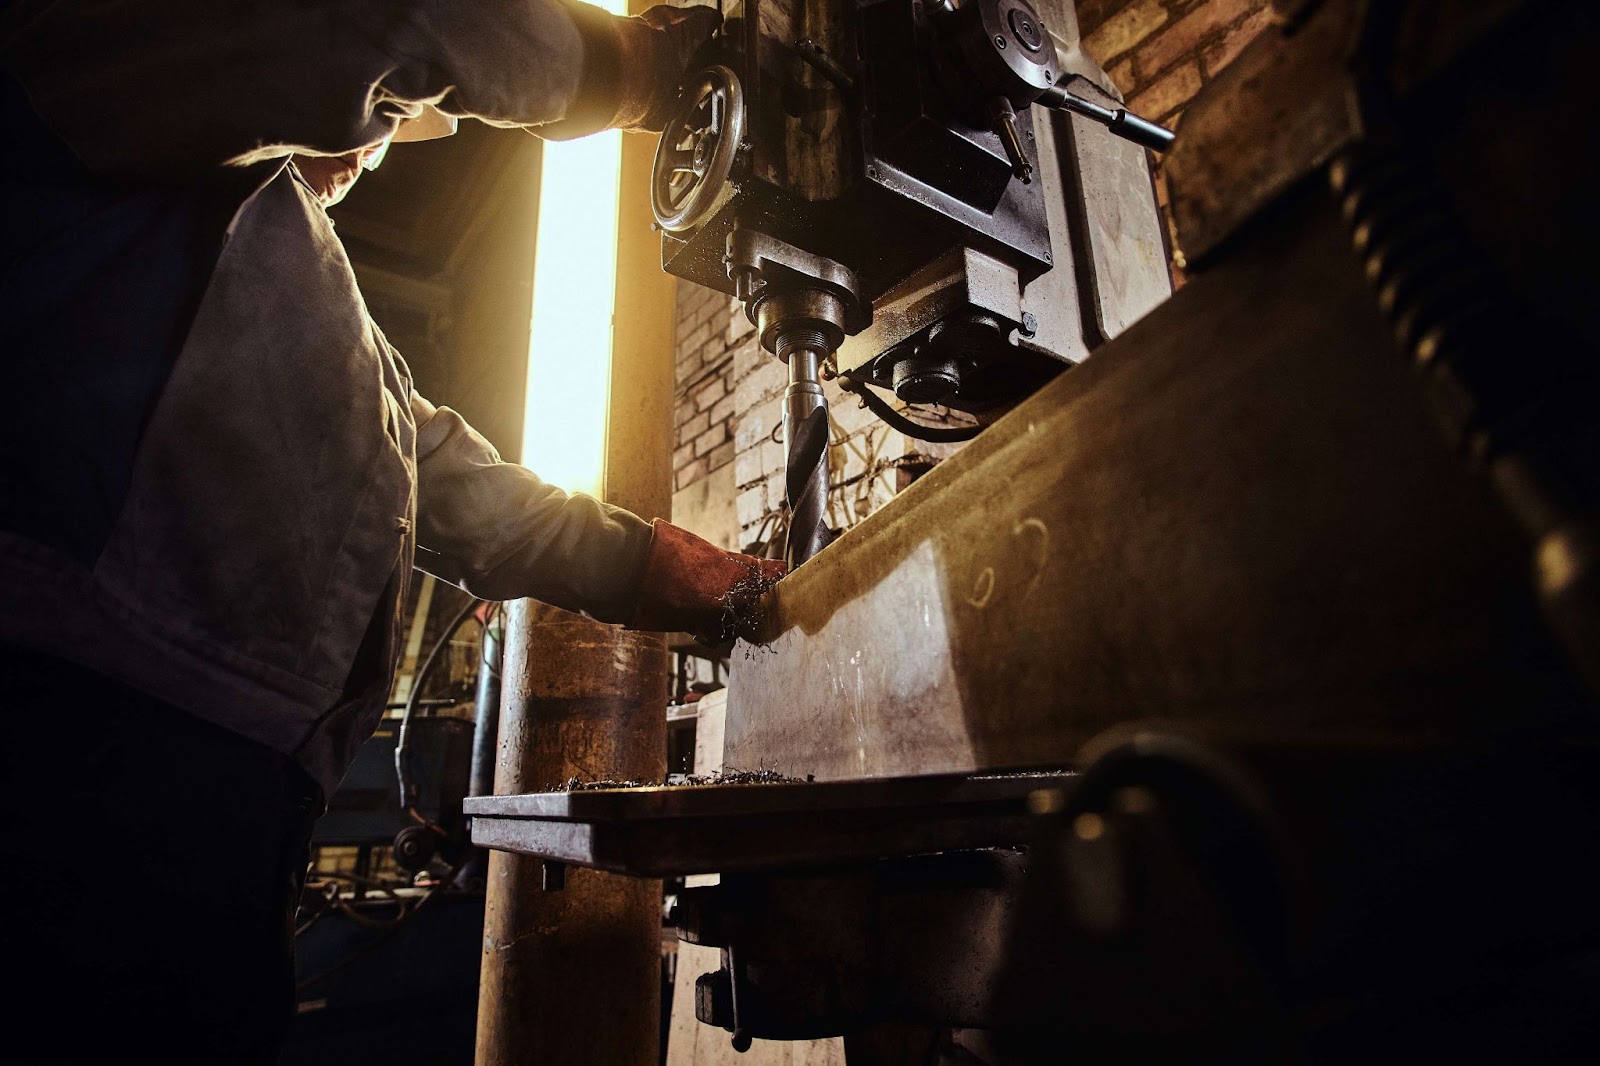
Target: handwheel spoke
column 695, row 157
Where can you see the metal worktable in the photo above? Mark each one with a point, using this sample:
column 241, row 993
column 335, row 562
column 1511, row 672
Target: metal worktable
column 725, row 828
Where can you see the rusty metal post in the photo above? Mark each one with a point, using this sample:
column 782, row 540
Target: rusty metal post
column 573, row 974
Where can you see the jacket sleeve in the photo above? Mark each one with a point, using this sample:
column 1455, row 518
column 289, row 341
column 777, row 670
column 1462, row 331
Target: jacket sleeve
column 175, row 88
column 499, row 532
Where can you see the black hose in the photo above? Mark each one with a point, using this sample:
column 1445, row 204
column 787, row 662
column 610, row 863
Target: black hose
column 898, row 421
column 402, row 742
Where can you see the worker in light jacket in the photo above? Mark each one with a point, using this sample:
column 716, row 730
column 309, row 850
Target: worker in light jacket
column 216, row 476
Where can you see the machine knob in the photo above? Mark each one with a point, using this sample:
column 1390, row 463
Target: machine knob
column 920, row 379
column 414, row 847
column 1025, row 27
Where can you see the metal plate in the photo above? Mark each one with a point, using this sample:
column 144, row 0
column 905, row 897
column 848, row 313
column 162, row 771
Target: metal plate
column 1236, row 514
column 677, row 830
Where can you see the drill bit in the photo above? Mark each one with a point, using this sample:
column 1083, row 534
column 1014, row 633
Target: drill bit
column 805, row 434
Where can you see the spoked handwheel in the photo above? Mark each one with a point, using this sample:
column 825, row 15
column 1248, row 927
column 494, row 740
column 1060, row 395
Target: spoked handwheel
column 695, row 157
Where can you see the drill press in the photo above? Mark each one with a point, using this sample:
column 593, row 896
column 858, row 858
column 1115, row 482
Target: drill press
column 867, row 177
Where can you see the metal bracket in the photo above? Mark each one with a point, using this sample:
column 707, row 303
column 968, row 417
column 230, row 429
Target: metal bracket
column 759, row 262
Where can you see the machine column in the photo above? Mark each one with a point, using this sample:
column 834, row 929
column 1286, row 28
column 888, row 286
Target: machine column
column 571, row 958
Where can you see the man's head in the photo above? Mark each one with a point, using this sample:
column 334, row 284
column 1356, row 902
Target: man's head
column 332, row 177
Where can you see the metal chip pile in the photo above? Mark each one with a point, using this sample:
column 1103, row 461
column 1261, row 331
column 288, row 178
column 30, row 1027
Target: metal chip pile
column 725, row 777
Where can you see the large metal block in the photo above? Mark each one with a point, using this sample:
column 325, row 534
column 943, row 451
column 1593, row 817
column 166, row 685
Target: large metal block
column 1237, row 513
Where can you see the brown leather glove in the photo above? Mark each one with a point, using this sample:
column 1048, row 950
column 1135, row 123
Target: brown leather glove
column 692, row 585
column 655, row 60
column 632, row 67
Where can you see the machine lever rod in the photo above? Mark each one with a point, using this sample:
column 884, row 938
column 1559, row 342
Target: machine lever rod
column 1004, row 117
column 1118, row 120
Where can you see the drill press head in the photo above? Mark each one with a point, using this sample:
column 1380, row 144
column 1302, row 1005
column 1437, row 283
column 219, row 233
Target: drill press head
column 872, row 180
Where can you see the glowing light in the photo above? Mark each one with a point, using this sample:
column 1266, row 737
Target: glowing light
column 574, row 298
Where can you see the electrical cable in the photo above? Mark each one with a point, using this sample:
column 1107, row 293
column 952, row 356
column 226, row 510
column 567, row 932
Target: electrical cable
column 389, row 929
column 491, row 619
column 402, row 748
column 898, row 421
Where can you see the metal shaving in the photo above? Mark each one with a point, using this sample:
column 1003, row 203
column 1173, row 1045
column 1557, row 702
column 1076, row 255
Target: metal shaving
column 718, row 777
column 740, row 617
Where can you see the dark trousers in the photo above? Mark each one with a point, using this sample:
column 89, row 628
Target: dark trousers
column 149, row 868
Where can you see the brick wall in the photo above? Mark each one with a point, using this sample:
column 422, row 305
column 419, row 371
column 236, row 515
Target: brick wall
column 1160, row 53
column 728, row 465
column 709, row 331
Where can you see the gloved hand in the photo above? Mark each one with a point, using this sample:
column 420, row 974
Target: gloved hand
column 632, row 67
column 656, row 49
column 692, row 585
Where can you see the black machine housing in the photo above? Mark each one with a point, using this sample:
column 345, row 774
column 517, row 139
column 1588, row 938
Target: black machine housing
column 866, row 143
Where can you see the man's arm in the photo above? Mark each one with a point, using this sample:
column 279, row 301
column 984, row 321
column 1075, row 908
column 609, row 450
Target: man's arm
column 499, row 532
column 175, row 88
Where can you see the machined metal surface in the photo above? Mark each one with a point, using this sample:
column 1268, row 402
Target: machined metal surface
column 690, row 829
column 1109, row 214
column 1232, row 514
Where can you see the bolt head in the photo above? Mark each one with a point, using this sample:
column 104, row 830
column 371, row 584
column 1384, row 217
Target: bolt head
column 1026, row 30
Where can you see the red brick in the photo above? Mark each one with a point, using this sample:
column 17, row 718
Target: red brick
column 1184, row 37
column 1170, row 93
column 1125, row 29
column 1219, row 55
column 1121, row 75
column 1091, row 13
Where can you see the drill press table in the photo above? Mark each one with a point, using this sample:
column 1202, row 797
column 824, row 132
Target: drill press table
column 725, row 828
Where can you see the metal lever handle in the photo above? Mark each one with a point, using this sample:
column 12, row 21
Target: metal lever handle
column 1120, row 120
